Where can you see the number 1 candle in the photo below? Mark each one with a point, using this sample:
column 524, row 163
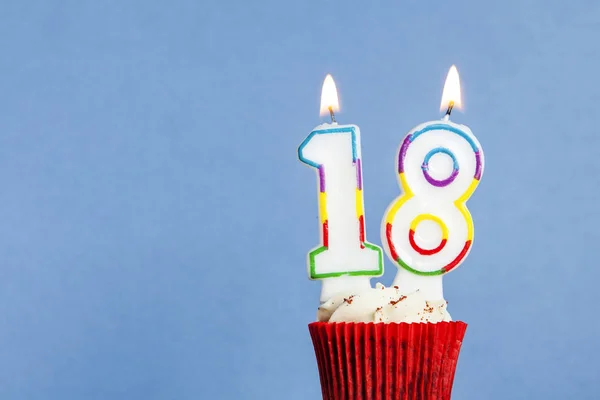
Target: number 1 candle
column 344, row 261
column 428, row 230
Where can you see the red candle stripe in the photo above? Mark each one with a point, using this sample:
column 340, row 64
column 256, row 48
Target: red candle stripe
column 458, row 259
column 388, row 235
column 361, row 231
column 420, row 250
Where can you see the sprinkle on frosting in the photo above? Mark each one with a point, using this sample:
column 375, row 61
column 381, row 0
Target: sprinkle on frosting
column 397, row 301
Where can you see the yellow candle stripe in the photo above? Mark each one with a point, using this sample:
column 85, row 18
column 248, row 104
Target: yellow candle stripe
column 359, row 202
column 404, row 185
column 389, row 218
column 323, row 206
column 462, row 207
column 468, row 193
column 430, row 217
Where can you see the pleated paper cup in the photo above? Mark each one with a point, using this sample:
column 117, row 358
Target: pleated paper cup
column 377, row 361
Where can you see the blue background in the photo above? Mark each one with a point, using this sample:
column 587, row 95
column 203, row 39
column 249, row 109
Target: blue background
column 154, row 219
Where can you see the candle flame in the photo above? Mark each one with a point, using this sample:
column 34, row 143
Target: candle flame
column 329, row 96
column 451, row 94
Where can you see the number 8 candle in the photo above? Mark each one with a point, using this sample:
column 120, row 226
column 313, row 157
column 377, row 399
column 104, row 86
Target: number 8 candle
column 428, row 230
column 344, row 260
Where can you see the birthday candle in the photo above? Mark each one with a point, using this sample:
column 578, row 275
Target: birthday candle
column 428, row 230
column 344, row 260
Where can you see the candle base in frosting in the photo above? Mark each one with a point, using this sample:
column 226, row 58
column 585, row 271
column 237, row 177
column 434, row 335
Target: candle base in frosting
column 429, row 286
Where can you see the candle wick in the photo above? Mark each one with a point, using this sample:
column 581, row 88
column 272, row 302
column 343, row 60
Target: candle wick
column 449, row 110
column 332, row 114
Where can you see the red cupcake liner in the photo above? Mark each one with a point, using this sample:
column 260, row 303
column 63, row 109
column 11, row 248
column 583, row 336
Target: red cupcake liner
column 377, row 361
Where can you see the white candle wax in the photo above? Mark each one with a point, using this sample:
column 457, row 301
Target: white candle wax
column 428, row 230
column 344, row 260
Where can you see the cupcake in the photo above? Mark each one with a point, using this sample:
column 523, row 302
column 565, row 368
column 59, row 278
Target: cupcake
column 398, row 342
column 381, row 344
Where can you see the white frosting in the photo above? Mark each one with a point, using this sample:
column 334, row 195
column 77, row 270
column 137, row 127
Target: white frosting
column 381, row 304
